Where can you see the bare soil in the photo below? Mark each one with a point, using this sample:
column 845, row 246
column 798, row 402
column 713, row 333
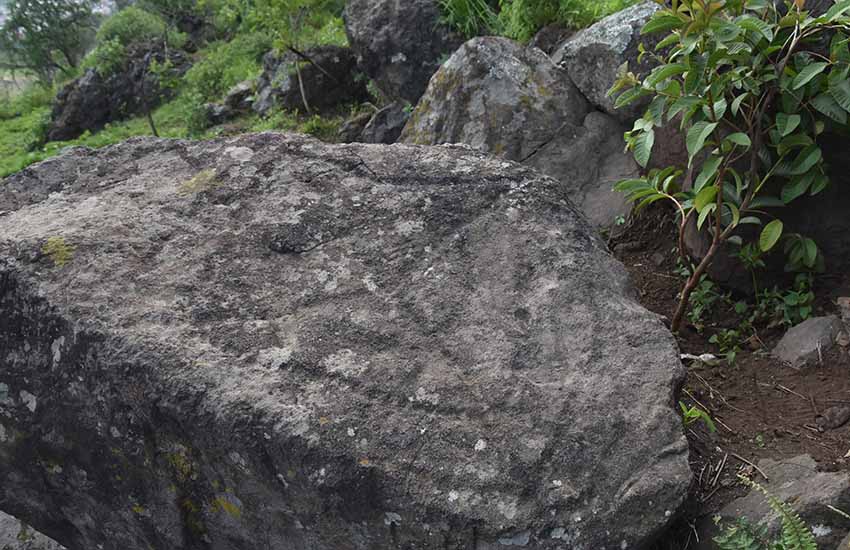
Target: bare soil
column 762, row 408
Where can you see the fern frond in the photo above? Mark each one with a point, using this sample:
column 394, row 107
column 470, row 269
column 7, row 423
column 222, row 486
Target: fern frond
column 795, row 533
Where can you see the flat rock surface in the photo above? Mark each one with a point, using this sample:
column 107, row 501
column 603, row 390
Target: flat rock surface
column 270, row 342
column 15, row 535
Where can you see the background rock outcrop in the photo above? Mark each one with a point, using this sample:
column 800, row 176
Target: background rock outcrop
column 267, row 341
column 593, row 56
column 88, row 103
column 330, row 78
column 514, row 102
column 399, row 44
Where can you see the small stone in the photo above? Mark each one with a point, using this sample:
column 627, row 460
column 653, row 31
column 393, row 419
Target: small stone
column 658, row 259
column 807, row 342
column 833, row 417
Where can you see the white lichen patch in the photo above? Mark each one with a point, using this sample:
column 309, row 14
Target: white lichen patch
column 480, row 445
column 240, row 154
column 345, row 363
column 56, row 348
column 409, row 227
column 3, row 437
column 29, row 400
column 821, row 530
column 424, row 396
column 507, row 508
column 4, row 395
column 274, row 358
column 520, row 539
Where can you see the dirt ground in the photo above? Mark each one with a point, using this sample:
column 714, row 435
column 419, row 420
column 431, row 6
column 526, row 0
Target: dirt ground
column 761, row 408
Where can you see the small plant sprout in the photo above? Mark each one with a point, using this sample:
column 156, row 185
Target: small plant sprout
column 695, row 414
column 751, row 84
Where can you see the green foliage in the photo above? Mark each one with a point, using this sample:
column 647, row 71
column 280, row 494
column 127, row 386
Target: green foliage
column 106, row 58
column 324, row 128
column 695, row 414
column 469, row 17
column 58, row 250
column 742, row 535
column 131, row 26
column 45, row 36
column 299, row 22
column 224, row 65
column 746, row 83
column 521, row 19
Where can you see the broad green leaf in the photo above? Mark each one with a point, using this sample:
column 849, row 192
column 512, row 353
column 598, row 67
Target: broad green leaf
column 736, row 103
column 627, row 186
column 709, row 168
column 840, row 92
column 820, row 183
column 751, row 220
column 792, row 142
column 837, row 10
column 806, row 159
column 697, row 135
column 756, row 25
column 656, row 109
column 643, row 147
column 705, row 197
column 787, row 123
column 811, row 252
column 711, row 207
column 659, row 74
column 661, row 22
column 630, row 95
column 797, row 187
column 770, row 235
column 828, row 106
column 765, row 201
column 739, row 138
column 682, row 104
column 809, row 72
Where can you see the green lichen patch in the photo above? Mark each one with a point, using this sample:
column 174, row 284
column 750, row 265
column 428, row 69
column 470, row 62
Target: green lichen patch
column 205, row 180
column 58, row 250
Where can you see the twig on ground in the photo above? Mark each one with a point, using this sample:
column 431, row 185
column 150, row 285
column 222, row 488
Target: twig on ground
column 745, row 461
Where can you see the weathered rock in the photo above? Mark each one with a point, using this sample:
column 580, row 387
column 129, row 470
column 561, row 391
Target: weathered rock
column 797, row 482
column 387, row 124
column 351, row 129
column 513, row 102
column 593, row 56
column 15, row 535
column 88, row 103
column 550, row 38
column 218, row 113
column 330, row 79
column 808, row 341
column 399, row 44
column 267, row 341
column 240, row 98
column 844, row 544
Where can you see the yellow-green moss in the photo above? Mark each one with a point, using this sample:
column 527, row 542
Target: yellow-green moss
column 58, row 250
column 205, row 180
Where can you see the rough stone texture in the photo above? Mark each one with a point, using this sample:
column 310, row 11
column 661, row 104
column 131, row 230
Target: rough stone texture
column 513, row 102
column 15, row 535
column 351, row 129
column 797, row 482
column 335, row 84
column 387, row 124
column 91, row 101
column 845, row 544
column 799, row 346
column 550, row 38
column 593, row 56
column 241, row 96
column 400, row 44
column 270, row 342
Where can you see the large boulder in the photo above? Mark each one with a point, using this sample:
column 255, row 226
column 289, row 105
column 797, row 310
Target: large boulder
column 91, row 101
column 270, row 342
column 513, row 102
column 593, row 57
column 16, row 535
column 329, row 79
column 399, row 44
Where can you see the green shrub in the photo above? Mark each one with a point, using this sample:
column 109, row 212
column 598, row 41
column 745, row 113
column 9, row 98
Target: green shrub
column 299, row 22
column 469, row 17
column 131, row 26
column 224, row 65
column 750, row 89
column 106, row 58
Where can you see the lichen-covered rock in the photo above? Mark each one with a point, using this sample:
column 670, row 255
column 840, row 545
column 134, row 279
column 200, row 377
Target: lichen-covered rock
column 270, row 342
column 593, row 56
column 387, row 124
column 400, row 44
column 513, row 102
column 16, row 535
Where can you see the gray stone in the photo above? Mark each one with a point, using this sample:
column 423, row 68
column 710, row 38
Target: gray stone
column 806, row 342
column 351, row 129
column 593, row 56
column 797, row 482
column 15, row 535
column 330, row 79
column 387, row 124
column 240, row 97
column 399, row 44
column 271, row 342
column 845, row 544
column 513, row 102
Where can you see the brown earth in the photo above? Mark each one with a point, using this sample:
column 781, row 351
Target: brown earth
column 762, row 409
